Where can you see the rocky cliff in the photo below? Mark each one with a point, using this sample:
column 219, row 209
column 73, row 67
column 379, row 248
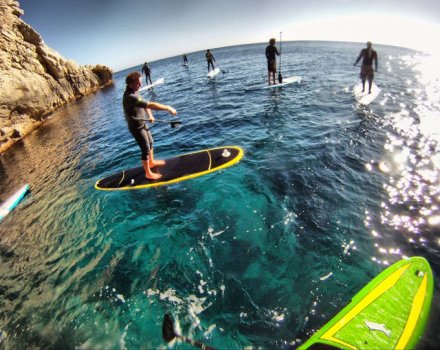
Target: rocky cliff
column 34, row 79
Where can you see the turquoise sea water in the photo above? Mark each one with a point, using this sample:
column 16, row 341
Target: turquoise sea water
column 239, row 257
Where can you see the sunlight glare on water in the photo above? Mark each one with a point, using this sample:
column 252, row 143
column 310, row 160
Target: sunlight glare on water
column 412, row 159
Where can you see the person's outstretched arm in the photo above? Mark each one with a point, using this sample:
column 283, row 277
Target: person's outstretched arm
column 160, row 107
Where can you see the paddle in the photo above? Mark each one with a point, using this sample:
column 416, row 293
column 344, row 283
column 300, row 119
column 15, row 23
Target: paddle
column 223, row 71
column 280, row 77
column 173, row 124
column 169, row 333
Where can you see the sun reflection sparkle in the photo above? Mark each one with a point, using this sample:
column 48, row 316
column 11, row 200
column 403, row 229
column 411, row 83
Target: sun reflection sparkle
column 411, row 159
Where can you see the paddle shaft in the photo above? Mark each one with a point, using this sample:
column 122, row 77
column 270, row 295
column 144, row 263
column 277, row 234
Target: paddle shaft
column 218, row 66
column 167, row 121
column 172, row 122
column 280, row 77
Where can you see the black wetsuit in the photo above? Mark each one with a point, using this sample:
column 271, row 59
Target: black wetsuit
column 210, row 58
column 271, row 51
column 134, row 111
column 185, row 59
column 367, row 60
column 147, row 71
column 368, row 57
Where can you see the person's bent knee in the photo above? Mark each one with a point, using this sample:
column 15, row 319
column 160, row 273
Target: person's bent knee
column 145, row 153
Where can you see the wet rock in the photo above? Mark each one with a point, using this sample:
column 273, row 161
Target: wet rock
column 35, row 79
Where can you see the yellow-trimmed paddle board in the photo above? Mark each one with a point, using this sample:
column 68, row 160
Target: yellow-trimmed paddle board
column 176, row 169
column 390, row 312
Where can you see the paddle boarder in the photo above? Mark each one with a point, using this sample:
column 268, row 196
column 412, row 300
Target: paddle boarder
column 147, row 71
column 271, row 52
column 136, row 112
column 368, row 55
column 210, row 58
column 185, row 60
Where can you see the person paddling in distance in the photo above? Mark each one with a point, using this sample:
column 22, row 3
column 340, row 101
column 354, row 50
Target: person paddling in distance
column 185, row 59
column 137, row 112
column 210, row 59
column 271, row 52
column 147, row 70
column 368, row 55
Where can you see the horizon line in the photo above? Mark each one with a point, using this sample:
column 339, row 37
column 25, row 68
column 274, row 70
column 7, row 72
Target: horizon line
column 284, row 41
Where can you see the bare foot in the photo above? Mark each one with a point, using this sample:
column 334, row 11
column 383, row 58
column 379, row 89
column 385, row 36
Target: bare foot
column 157, row 163
column 153, row 176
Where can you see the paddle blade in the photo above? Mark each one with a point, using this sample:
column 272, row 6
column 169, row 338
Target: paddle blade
column 280, row 78
column 174, row 124
column 168, row 333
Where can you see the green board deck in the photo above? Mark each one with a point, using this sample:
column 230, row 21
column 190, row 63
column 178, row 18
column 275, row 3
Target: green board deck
column 390, row 312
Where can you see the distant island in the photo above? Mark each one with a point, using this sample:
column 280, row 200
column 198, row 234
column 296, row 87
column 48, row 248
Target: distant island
column 35, row 79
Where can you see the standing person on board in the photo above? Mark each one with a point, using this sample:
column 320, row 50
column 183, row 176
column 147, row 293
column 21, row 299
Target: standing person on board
column 185, row 60
column 368, row 55
column 146, row 69
column 210, row 58
column 271, row 51
column 136, row 112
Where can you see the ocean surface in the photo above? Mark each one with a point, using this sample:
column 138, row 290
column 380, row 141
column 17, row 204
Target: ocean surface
column 258, row 255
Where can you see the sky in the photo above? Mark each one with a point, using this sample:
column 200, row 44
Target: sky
column 122, row 34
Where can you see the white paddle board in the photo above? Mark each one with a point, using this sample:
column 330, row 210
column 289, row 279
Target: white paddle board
column 364, row 98
column 213, row 73
column 285, row 81
column 151, row 86
column 10, row 203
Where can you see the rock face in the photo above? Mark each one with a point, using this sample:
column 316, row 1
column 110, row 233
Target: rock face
column 34, row 79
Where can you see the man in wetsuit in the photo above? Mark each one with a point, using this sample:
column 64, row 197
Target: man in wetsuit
column 146, row 69
column 368, row 55
column 210, row 58
column 271, row 51
column 136, row 112
column 185, row 59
